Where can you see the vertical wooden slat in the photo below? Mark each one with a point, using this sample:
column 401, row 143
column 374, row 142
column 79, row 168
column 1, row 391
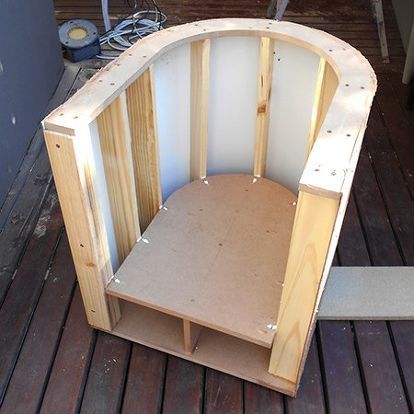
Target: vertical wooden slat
column 115, row 139
column 312, row 230
column 143, row 127
column 328, row 88
column 191, row 334
column 316, row 109
column 263, row 107
column 200, row 62
column 75, row 177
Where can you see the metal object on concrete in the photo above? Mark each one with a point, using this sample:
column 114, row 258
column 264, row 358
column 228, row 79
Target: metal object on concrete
column 80, row 38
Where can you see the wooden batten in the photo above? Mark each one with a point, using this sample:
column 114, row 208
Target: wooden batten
column 263, row 110
column 115, row 140
column 191, row 332
column 200, row 73
column 328, row 85
column 144, row 138
column 316, row 110
column 311, row 235
column 84, row 223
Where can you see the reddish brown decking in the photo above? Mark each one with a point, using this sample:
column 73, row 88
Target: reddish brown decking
column 52, row 362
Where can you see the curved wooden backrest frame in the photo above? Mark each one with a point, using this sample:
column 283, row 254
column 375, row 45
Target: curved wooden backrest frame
column 104, row 154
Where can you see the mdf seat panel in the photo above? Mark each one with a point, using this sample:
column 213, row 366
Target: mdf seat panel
column 215, row 254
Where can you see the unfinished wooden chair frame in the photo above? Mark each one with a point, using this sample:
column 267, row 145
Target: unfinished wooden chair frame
column 280, row 101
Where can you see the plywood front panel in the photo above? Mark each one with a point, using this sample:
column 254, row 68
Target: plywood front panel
column 295, row 71
column 172, row 80
column 234, row 68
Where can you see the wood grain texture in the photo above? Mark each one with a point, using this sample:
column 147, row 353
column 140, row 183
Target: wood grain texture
column 17, row 230
column 344, row 389
column 191, row 334
column 184, row 387
column 310, row 396
column 317, row 105
column 224, row 394
column 115, row 140
column 314, row 222
column 327, row 84
column 261, row 400
column 402, row 335
column 144, row 387
column 84, row 223
column 380, row 370
column 37, row 353
column 143, row 126
column 200, row 74
column 264, row 86
column 107, row 374
column 70, row 367
column 23, row 294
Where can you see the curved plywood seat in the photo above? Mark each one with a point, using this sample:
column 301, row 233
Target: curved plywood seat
column 273, row 107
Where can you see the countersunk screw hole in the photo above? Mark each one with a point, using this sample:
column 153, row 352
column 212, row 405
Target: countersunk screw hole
column 57, row 146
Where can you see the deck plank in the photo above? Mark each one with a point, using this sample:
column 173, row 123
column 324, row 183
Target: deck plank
column 310, row 397
column 184, row 385
column 403, row 338
column 24, row 292
column 260, row 400
column 395, row 192
column 382, row 378
column 36, row 356
column 70, row 368
column 145, row 382
column 105, row 384
column 223, row 393
column 344, row 389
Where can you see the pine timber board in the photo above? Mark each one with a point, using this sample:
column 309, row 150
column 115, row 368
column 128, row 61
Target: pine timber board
column 216, row 255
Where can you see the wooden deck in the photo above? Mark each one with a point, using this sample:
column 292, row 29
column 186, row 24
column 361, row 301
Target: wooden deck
column 52, row 362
